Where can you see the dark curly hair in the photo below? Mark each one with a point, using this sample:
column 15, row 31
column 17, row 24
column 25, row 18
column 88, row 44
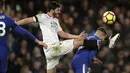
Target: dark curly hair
column 53, row 5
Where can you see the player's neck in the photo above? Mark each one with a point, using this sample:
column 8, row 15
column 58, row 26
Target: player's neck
column 50, row 14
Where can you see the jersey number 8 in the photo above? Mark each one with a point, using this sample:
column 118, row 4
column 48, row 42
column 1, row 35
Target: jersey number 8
column 2, row 28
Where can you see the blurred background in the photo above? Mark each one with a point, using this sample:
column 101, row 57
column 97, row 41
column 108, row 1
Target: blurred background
column 76, row 16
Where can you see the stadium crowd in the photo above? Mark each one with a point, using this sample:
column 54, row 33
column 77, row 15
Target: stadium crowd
column 76, row 16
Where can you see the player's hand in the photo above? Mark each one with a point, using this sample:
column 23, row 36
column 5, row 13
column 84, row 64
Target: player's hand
column 89, row 70
column 83, row 35
column 41, row 43
column 113, row 40
column 96, row 61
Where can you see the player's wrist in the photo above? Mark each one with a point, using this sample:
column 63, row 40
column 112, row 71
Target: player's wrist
column 36, row 40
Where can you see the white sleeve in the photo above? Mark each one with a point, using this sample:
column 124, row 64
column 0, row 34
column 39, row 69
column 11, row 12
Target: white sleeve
column 58, row 27
column 38, row 18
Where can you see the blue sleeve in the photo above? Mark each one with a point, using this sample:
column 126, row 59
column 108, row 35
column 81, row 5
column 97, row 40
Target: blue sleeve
column 20, row 31
column 92, row 54
column 91, row 38
column 11, row 22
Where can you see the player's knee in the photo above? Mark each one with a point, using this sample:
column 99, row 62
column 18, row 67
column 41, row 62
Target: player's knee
column 78, row 43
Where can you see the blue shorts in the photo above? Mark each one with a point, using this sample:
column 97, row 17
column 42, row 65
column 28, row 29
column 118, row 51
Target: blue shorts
column 4, row 51
column 82, row 60
column 3, row 65
column 80, row 65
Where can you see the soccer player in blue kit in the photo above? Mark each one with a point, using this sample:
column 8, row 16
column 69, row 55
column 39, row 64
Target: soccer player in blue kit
column 6, row 24
column 84, row 56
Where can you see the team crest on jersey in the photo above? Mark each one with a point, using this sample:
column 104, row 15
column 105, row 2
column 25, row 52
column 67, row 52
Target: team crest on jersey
column 53, row 24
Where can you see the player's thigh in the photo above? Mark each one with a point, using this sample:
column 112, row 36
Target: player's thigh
column 67, row 47
column 60, row 48
column 51, row 63
column 3, row 65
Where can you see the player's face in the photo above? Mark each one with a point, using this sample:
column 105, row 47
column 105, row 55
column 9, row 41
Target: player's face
column 105, row 36
column 57, row 12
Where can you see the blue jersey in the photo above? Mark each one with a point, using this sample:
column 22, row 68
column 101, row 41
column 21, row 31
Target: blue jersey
column 84, row 57
column 6, row 24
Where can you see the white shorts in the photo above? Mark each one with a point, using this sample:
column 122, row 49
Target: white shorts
column 56, row 50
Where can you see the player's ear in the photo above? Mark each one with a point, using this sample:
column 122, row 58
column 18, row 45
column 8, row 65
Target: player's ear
column 106, row 37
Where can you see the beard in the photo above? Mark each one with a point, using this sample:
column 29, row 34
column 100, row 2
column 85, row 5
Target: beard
column 56, row 15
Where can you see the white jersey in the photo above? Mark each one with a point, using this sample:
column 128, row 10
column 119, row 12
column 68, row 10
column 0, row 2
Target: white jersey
column 49, row 27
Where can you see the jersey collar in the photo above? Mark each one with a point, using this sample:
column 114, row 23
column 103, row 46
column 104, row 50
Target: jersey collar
column 49, row 15
column 97, row 37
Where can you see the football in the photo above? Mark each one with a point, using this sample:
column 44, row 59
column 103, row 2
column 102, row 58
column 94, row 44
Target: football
column 109, row 17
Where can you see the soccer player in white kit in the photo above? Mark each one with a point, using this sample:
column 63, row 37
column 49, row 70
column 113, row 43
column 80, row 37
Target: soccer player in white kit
column 51, row 28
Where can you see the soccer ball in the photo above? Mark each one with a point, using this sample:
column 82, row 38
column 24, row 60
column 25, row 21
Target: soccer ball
column 109, row 17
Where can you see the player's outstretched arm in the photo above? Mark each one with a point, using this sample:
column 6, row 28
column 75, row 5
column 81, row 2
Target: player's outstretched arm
column 25, row 21
column 37, row 18
column 66, row 35
column 41, row 43
column 63, row 34
column 23, row 32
